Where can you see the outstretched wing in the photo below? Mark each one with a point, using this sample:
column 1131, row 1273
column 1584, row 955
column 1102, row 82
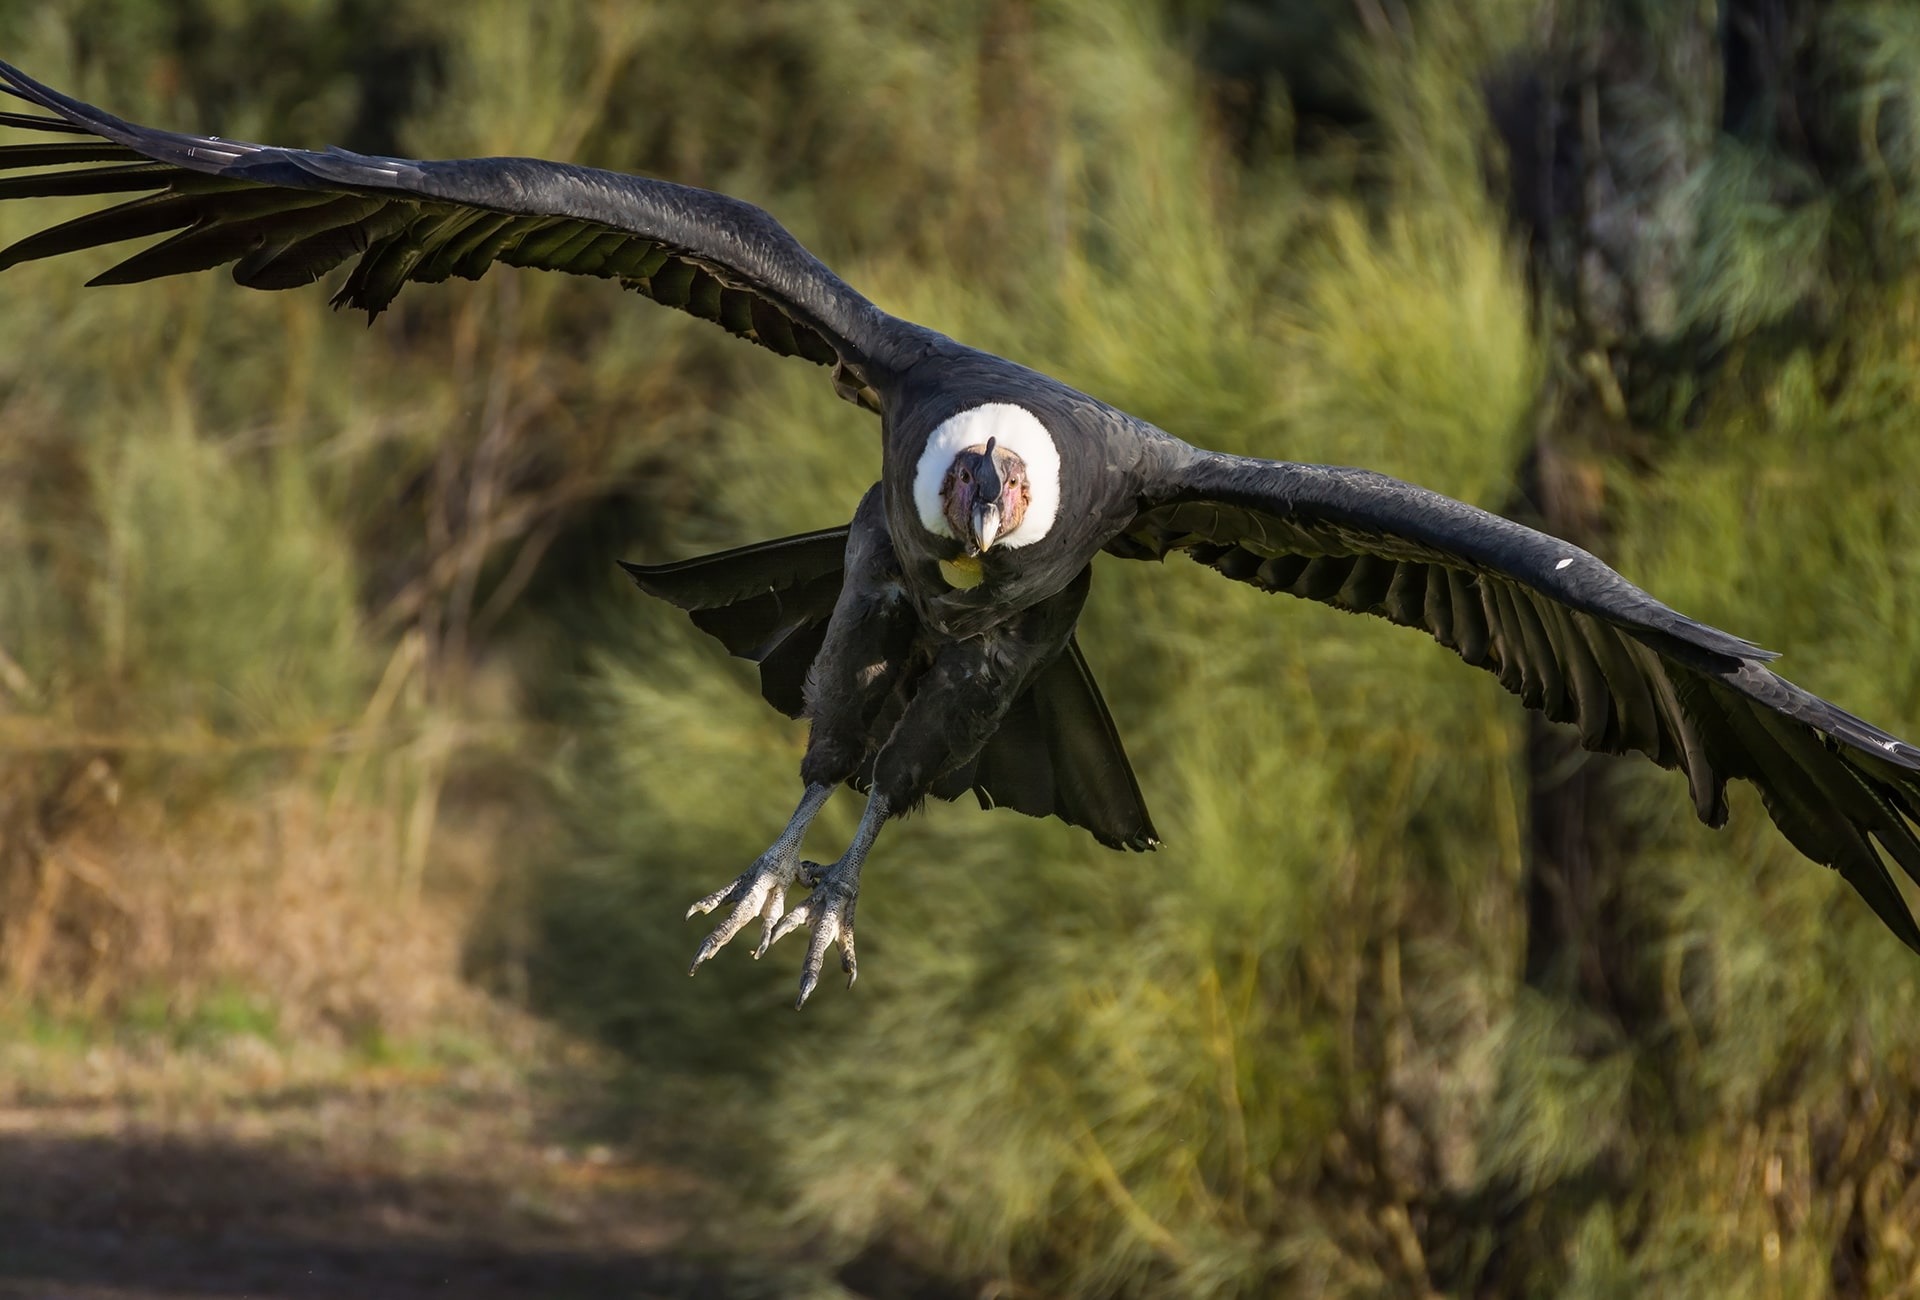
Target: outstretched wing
column 1566, row 634
column 284, row 217
column 1057, row 753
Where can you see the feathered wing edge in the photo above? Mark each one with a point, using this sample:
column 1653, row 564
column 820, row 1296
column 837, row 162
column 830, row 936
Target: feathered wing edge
column 284, row 217
column 1569, row 636
column 1057, row 753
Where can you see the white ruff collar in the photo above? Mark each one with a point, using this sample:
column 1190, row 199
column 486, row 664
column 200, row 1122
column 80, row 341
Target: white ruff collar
column 1019, row 431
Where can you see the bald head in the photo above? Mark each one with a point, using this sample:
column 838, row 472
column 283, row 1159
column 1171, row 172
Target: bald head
column 984, row 494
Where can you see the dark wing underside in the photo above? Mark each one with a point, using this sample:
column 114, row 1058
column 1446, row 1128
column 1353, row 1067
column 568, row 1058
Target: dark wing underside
column 1057, row 753
column 1570, row 637
column 285, row 217
column 768, row 602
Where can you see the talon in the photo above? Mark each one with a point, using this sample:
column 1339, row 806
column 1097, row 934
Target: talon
column 791, row 921
column 761, row 891
column 752, row 893
column 830, row 907
column 769, row 920
column 711, row 901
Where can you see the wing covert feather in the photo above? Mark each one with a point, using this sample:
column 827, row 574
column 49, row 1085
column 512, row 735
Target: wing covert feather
column 1569, row 636
column 284, row 217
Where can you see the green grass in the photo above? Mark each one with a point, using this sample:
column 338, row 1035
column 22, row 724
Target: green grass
column 221, row 1013
column 275, row 553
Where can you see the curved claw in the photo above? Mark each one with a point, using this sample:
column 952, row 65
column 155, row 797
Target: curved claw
column 799, row 916
column 829, row 910
column 761, row 891
column 766, row 937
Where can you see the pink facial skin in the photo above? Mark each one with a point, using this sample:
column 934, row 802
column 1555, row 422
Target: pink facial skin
column 984, row 495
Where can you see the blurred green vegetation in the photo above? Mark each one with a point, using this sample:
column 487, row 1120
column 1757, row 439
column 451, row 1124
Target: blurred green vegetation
column 294, row 592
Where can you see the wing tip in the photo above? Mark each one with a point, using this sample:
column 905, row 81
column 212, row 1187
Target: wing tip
column 1876, row 885
column 1143, row 840
column 656, row 580
column 50, row 125
column 642, row 574
column 71, row 112
column 19, row 85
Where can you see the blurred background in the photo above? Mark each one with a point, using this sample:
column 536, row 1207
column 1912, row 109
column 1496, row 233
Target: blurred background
column 350, row 798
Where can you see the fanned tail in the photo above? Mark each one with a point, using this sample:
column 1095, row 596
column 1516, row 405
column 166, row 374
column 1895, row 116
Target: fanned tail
column 1056, row 754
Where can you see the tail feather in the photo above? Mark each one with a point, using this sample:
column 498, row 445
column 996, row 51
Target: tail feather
column 1056, row 754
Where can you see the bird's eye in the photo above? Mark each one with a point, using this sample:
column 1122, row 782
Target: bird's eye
column 965, row 477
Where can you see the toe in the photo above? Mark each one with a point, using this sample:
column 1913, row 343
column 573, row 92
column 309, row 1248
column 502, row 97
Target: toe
column 715, row 941
column 770, row 918
column 756, row 899
column 701, row 906
column 824, row 933
column 792, row 921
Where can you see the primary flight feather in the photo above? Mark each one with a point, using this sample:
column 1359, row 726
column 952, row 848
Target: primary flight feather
column 930, row 641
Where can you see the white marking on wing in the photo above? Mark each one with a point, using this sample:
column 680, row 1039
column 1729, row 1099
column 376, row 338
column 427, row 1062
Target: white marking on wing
column 1563, row 564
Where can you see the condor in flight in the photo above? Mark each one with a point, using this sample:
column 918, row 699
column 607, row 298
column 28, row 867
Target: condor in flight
column 929, row 642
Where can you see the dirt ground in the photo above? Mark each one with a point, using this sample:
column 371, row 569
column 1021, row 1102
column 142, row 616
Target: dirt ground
column 242, row 1168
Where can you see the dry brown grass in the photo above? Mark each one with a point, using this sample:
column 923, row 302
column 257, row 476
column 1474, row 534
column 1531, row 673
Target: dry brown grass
column 312, row 909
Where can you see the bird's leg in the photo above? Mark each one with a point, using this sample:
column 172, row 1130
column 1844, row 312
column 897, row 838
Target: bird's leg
column 829, row 908
column 761, row 890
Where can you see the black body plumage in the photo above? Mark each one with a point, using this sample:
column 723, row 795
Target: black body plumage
column 915, row 684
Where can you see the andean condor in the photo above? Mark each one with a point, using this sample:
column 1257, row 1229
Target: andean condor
column 930, row 641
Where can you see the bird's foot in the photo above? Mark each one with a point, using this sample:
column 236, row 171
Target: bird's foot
column 829, row 910
column 759, row 891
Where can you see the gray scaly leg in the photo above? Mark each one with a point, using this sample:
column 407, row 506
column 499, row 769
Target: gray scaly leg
column 829, row 908
column 761, row 890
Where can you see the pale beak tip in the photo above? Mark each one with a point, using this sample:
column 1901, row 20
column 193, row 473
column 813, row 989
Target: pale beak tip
column 986, row 527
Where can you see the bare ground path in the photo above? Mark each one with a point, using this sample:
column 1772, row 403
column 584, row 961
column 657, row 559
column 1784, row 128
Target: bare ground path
column 252, row 1170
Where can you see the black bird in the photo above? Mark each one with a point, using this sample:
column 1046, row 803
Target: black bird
column 930, row 641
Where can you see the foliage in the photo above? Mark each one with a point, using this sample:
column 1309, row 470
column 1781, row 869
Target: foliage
column 280, row 560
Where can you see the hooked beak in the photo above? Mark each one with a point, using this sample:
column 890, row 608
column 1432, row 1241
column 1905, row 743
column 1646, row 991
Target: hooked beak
column 986, row 527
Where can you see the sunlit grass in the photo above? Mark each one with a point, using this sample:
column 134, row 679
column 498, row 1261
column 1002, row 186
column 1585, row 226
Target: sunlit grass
column 347, row 598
